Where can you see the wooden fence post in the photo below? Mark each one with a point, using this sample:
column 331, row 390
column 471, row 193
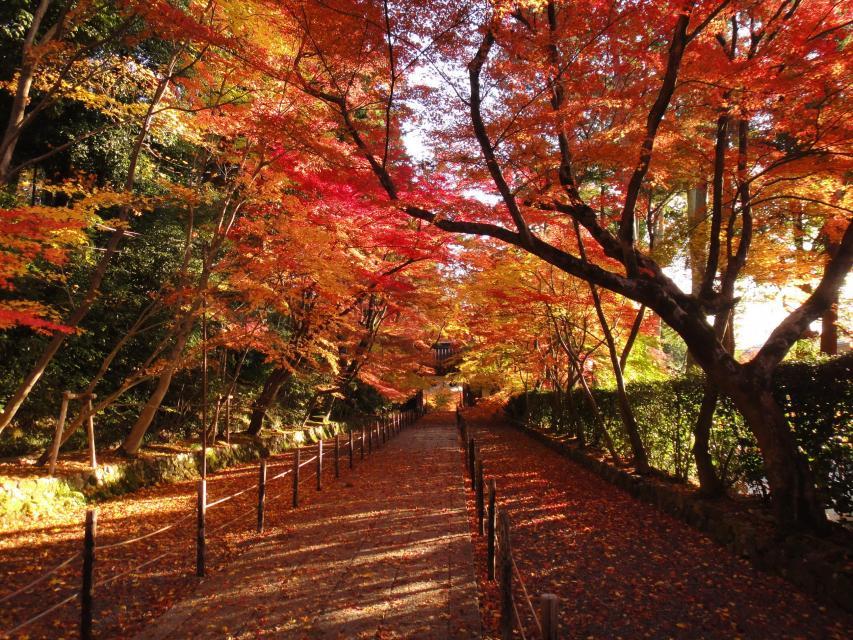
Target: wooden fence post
column 548, row 615
column 228, row 419
column 506, row 577
column 481, row 509
column 490, row 531
column 337, row 456
column 296, row 477
column 87, row 591
column 362, row 442
column 200, row 525
column 262, row 493
column 351, row 444
column 370, row 441
column 90, row 431
column 471, row 462
column 319, row 463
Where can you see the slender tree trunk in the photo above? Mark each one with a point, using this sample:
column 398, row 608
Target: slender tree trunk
column 22, row 94
column 133, row 441
column 91, row 295
column 575, row 418
column 697, row 243
column 829, row 321
column 266, row 399
column 709, row 484
column 96, row 379
column 629, row 422
column 829, row 330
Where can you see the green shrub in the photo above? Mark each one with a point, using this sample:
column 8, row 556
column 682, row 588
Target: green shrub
column 816, row 398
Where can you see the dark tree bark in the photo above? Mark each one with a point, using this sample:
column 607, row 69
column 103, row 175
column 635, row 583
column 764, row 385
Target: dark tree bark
column 710, row 485
column 266, row 398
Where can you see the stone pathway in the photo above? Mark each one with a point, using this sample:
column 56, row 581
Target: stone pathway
column 384, row 552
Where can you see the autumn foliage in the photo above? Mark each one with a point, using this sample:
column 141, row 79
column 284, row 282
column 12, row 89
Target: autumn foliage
column 310, row 194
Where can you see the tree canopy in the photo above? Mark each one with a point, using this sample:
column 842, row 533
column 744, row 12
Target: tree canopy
column 312, row 193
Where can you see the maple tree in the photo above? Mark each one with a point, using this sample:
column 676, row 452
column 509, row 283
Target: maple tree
column 571, row 89
column 310, row 158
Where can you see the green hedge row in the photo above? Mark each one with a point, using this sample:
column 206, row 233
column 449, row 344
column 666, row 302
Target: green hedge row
column 817, row 398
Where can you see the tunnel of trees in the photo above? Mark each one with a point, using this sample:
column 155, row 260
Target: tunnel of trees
column 631, row 217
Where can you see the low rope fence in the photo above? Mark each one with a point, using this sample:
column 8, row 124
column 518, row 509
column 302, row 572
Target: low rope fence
column 494, row 523
column 365, row 439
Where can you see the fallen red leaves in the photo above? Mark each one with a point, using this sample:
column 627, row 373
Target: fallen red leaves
column 621, row 568
column 125, row 605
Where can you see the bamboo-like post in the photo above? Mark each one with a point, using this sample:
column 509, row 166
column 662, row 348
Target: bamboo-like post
column 262, row 492
column 204, row 384
column 362, row 441
column 60, row 427
column 90, row 431
column 471, row 455
column 337, row 456
column 481, row 510
column 320, row 464
column 200, row 528
column 548, row 608
column 490, row 531
column 351, row 453
column 228, row 419
column 87, row 591
column 296, row 478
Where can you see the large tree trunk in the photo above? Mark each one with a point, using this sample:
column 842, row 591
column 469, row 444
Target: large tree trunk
column 793, row 494
column 829, row 330
column 266, row 399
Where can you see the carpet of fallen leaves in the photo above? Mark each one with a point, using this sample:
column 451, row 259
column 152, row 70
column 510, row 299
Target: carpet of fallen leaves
column 125, row 605
column 620, row 567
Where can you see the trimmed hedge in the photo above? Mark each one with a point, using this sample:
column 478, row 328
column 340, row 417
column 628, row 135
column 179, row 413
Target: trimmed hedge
column 817, row 399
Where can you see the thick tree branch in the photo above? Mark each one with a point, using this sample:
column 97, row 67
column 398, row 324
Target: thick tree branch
column 791, row 328
column 474, row 69
column 676, row 52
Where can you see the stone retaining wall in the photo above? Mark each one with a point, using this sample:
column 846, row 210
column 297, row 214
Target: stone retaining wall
column 820, row 566
column 25, row 498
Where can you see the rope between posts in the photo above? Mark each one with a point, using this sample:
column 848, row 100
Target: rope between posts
column 134, row 569
column 526, row 596
column 41, row 615
column 309, row 460
column 240, row 515
column 210, row 505
column 163, row 529
column 41, row 578
column 280, row 475
column 147, row 535
column 518, row 618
